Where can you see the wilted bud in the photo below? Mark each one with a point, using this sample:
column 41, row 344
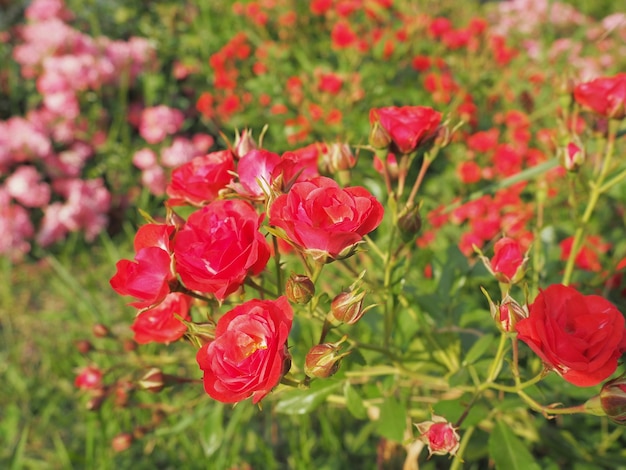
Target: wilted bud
column 379, row 138
column 244, row 142
column 299, row 289
column 572, row 156
column 347, row 307
column 122, row 441
column 410, row 223
column 613, row 400
column 152, row 381
column 337, row 157
column 323, row 360
column 439, row 435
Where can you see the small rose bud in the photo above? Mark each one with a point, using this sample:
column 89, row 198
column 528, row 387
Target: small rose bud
column 244, row 143
column 100, row 331
column 323, row 360
column 129, row 345
column 379, row 138
column 613, row 400
column 410, row 223
column 122, row 442
column 572, row 156
column 439, row 435
column 337, row 157
column 89, row 378
column 507, row 313
column 152, row 381
column 83, row 346
column 347, row 307
column 508, row 264
column 299, row 289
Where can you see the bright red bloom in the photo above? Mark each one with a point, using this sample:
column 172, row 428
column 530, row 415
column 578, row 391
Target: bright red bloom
column 408, row 126
column 324, row 219
column 605, row 96
column 330, row 83
column 342, row 35
column 249, row 355
column 469, row 172
column 146, row 278
column 580, row 336
column 508, row 259
column 200, row 180
column 89, row 378
column 219, row 246
column 159, row 324
column 588, row 257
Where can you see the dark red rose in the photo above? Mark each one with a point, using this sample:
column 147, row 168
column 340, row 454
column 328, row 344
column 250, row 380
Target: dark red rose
column 605, row 96
column 249, row 353
column 219, row 246
column 159, row 324
column 407, row 126
column 580, row 336
column 199, row 181
column 323, row 218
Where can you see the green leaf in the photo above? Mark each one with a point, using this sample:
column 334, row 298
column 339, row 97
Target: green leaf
column 479, row 348
column 392, row 420
column 299, row 402
column 212, row 441
column 354, row 402
column 508, row 451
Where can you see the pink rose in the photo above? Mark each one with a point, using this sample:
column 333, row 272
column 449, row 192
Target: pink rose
column 324, row 219
column 219, row 246
column 249, row 354
column 407, row 126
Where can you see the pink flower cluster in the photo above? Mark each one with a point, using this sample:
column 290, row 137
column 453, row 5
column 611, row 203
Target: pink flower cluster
column 43, row 154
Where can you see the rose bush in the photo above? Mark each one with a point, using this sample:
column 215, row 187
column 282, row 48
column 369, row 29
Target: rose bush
column 249, row 354
column 579, row 336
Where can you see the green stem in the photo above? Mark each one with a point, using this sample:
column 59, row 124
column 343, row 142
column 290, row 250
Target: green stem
column 596, row 191
column 458, row 458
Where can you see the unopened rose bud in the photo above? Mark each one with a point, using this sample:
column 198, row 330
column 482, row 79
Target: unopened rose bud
column 508, row 264
column 100, row 331
column 83, row 346
column 337, row 157
column 129, row 345
column 410, row 223
column 122, row 442
column 244, row 143
column 572, row 156
column 89, row 378
column 152, row 381
column 323, row 360
column 347, row 307
column 379, row 138
column 613, row 400
column 507, row 313
column 299, row 289
column 439, row 435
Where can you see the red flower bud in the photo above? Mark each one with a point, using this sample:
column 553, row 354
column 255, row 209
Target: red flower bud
column 323, row 360
column 152, row 381
column 122, row 442
column 347, row 307
column 439, row 435
column 299, row 289
column 613, row 400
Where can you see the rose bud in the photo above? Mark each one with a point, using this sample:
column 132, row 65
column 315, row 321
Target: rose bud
column 347, row 307
column 613, row 400
column 379, row 138
column 122, row 441
column 572, row 156
column 299, row 289
column 89, row 378
column 439, row 435
column 323, row 360
column 244, row 143
column 508, row 264
column 83, row 346
column 410, row 223
column 337, row 157
column 100, row 331
column 407, row 127
column 152, row 381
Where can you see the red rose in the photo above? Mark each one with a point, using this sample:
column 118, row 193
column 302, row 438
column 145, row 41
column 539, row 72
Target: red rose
column 407, row 126
column 605, row 96
column 248, row 356
column 219, row 246
column 579, row 336
column 323, row 218
column 159, row 324
column 146, row 278
column 200, row 180
column 507, row 263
